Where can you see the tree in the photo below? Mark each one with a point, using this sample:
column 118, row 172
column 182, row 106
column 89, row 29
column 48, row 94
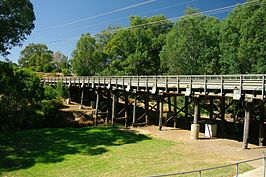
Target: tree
column 16, row 22
column 60, row 61
column 38, row 57
column 20, row 92
column 135, row 51
column 192, row 46
column 243, row 39
column 84, row 61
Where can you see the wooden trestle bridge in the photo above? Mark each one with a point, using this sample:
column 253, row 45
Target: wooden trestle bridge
column 200, row 90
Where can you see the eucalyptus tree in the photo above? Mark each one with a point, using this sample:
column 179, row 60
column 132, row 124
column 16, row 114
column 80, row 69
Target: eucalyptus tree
column 243, row 39
column 192, row 46
column 16, row 22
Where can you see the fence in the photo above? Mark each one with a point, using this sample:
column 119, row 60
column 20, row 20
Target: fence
column 199, row 171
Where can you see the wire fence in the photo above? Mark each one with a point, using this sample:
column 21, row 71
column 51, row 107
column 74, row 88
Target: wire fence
column 236, row 164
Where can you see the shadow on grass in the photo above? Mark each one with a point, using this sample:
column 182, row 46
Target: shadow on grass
column 21, row 150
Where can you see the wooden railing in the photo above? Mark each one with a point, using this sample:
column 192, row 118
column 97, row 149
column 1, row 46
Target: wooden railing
column 225, row 85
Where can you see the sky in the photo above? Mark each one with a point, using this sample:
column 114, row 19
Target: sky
column 60, row 23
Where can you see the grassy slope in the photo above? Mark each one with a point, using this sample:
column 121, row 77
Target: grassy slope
column 97, row 152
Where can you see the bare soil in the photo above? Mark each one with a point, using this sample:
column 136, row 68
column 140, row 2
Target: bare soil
column 227, row 149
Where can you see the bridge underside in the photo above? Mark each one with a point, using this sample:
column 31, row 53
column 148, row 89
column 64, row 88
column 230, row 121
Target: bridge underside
column 172, row 101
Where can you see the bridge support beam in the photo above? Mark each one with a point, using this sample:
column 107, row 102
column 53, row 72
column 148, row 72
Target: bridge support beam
column 211, row 108
column 261, row 132
column 261, row 123
column 97, row 106
column 222, row 113
column 109, row 107
column 195, row 125
column 186, row 112
column 175, row 113
column 161, row 112
column 114, row 99
column 81, row 98
column 126, row 110
column 146, row 102
column 134, row 110
column 68, row 101
column 169, row 104
column 246, row 125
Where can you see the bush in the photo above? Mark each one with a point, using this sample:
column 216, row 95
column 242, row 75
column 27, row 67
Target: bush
column 56, row 92
column 51, row 111
column 65, row 72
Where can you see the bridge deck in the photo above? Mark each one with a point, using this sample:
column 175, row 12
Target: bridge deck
column 236, row 86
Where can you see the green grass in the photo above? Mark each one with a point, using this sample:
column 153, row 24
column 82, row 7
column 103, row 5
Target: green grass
column 99, row 151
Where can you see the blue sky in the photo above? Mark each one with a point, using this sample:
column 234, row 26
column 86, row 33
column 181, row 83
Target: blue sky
column 50, row 14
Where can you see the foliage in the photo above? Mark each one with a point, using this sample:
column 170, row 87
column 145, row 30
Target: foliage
column 84, row 62
column 37, row 57
column 60, row 61
column 65, row 72
column 192, row 46
column 20, row 91
column 243, row 40
column 136, row 51
column 16, row 21
column 24, row 102
column 56, row 92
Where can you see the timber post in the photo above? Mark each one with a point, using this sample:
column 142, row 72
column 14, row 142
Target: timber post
column 97, row 107
column 109, row 106
column 186, row 112
column 261, row 123
column 81, row 99
column 161, row 112
column 126, row 110
column 246, row 125
column 175, row 107
column 68, row 101
column 113, row 107
column 211, row 108
column 222, row 112
column 169, row 104
column 146, row 102
column 134, row 110
column 195, row 126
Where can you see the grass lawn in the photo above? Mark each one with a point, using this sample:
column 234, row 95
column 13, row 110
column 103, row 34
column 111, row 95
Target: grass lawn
column 99, row 151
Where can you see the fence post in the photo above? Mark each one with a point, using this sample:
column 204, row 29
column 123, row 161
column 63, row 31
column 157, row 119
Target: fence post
column 199, row 173
column 236, row 169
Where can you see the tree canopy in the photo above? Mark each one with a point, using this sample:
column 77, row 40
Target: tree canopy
column 192, row 46
column 84, row 62
column 135, row 51
column 243, row 40
column 38, row 57
column 16, row 22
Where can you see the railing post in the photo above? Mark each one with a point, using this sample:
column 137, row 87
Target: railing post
column 263, row 87
column 222, row 85
column 199, row 173
column 177, row 84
